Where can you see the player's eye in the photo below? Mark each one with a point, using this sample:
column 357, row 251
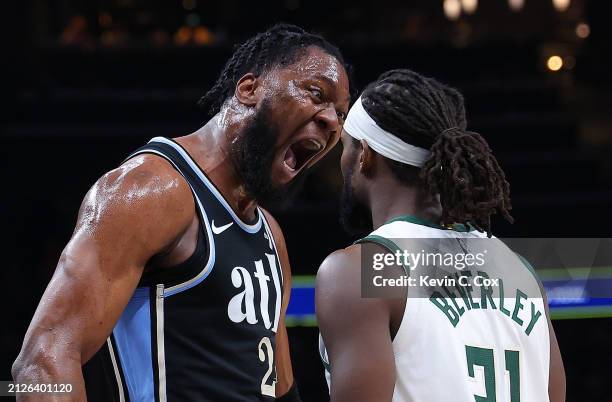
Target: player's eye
column 317, row 93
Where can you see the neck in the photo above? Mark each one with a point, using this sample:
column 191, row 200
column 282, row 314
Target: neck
column 210, row 148
column 390, row 199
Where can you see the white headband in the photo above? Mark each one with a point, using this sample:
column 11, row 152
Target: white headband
column 361, row 126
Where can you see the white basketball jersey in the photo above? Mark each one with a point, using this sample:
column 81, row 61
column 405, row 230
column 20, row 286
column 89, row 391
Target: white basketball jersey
column 468, row 349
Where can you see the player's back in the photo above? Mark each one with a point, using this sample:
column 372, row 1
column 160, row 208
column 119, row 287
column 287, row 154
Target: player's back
column 456, row 343
column 459, row 341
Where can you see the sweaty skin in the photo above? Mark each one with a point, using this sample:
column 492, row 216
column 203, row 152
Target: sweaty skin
column 142, row 216
column 358, row 332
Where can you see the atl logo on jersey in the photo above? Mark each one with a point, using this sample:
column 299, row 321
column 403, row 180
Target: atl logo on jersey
column 242, row 307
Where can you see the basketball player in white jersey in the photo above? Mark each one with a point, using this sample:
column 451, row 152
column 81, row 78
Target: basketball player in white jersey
column 412, row 170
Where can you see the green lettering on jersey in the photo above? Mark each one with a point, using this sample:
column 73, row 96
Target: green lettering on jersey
column 486, row 292
column 440, row 302
column 518, row 306
column 534, row 318
column 469, row 290
column 452, row 296
column 502, row 301
column 462, row 291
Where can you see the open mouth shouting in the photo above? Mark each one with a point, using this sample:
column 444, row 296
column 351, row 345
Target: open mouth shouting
column 302, row 151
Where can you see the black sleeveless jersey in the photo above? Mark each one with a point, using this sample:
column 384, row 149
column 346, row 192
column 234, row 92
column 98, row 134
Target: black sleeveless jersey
column 203, row 330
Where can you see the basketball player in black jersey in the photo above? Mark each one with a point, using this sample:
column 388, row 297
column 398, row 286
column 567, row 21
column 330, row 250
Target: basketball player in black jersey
column 175, row 283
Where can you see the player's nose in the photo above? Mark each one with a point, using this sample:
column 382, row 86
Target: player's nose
column 328, row 121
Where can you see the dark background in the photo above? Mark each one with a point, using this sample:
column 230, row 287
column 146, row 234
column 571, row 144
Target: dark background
column 86, row 82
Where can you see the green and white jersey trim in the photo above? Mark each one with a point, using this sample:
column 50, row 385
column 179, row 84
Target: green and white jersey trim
column 484, row 356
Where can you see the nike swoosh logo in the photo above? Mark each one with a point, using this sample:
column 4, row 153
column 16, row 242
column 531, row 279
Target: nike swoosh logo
column 218, row 230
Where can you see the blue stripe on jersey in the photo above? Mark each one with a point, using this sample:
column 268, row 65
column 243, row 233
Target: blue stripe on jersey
column 210, row 264
column 133, row 339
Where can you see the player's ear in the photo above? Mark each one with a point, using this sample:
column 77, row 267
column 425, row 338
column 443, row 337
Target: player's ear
column 245, row 89
column 367, row 159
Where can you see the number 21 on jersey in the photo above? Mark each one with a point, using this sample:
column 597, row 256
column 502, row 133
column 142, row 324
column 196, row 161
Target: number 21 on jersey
column 484, row 358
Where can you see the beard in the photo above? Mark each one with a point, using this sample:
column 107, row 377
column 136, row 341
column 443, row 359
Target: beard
column 253, row 154
column 355, row 216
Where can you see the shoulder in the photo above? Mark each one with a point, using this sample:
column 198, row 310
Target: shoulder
column 338, row 278
column 144, row 178
column 345, row 264
column 340, row 262
column 340, row 306
column 144, row 189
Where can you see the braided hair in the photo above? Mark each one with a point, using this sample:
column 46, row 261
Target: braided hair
column 461, row 168
column 278, row 46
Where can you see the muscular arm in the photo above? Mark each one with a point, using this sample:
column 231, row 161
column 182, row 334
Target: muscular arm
column 355, row 330
column 284, row 371
column 129, row 215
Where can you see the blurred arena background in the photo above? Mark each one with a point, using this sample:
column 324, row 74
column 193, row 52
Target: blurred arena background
column 86, row 82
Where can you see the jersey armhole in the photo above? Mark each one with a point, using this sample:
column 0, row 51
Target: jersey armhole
column 386, row 243
column 174, row 278
column 530, row 268
column 392, row 247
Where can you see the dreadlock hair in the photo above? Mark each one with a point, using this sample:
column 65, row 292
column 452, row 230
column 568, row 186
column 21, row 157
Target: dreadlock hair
column 461, row 168
column 280, row 45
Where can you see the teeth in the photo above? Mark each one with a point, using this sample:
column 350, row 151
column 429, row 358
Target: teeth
column 312, row 145
column 290, row 160
column 289, row 167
